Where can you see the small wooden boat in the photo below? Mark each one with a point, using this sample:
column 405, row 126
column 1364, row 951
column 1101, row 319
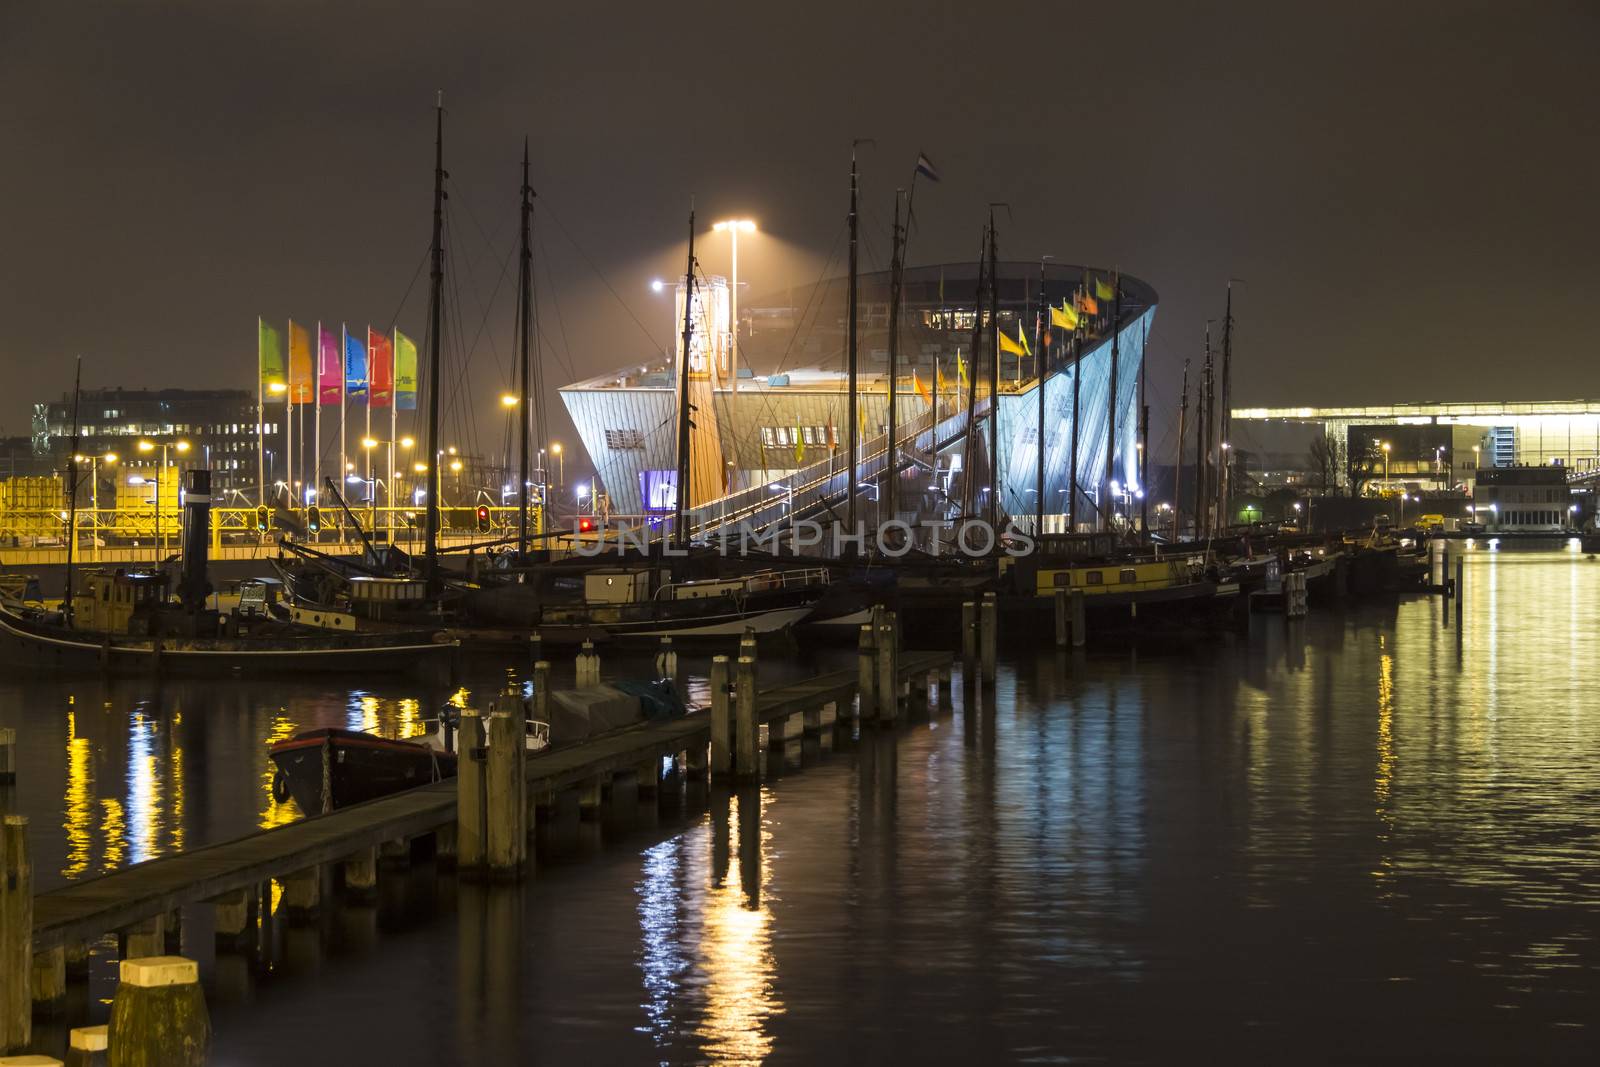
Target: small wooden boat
column 331, row 768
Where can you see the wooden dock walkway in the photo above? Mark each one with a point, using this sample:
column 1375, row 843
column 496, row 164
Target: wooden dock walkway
column 86, row 910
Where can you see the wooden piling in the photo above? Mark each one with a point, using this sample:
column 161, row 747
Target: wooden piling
column 361, row 875
column 969, row 635
column 146, row 938
column 588, row 667
column 746, row 765
column 867, row 684
column 541, row 691
column 1063, row 628
column 506, row 839
column 87, row 1045
column 667, row 660
column 888, row 689
column 721, row 720
column 302, row 895
column 159, row 1015
column 471, row 792
column 989, row 636
column 231, row 920
column 16, row 935
column 8, row 755
column 1080, row 618
column 49, row 980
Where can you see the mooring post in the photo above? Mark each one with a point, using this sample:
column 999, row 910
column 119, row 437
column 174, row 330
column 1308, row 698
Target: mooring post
column 969, row 635
column 302, row 896
column 361, row 875
column 16, row 935
column 588, row 667
column 888, row 694
column 746, row 766
column 867, row 675
column 721, row 722
column 507, row 833
column 535, row 649
column 541, row 691
column 8, row 755
column 471, row 796
column 159, row 1014
column 989, row 636
column 86, row 1046
column 1063, row 629
column 1080, row 618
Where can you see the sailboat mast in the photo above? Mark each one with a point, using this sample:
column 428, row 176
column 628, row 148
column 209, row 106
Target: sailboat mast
column 1041, row 343
column 524, row 302
column 1177, row 468
column 850, row 331
column 994, row 378
column 1107, row 503
column 1077, row 377
column 435, row 326
column 1144, row 439
column 970, row 470
column 1202, row 445
column 891, row 463
column 72, row 488
column 681, row 495
column 1225, row 477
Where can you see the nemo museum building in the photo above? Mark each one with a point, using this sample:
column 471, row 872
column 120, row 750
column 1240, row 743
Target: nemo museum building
column 770, row 399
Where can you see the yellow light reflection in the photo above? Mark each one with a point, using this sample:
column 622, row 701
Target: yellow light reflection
column 1383, row 778
column 113, row 827
column 175, row 773
column 77, row 813
column 273, row 813
column 736, row 953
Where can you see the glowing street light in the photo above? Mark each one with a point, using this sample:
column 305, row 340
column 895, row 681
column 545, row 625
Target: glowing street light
column 508, row 400
column 407, row 442
column 733, row 228
column 561, row 463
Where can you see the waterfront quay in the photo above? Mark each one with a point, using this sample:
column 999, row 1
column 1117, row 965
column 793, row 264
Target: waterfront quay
column 1123, row 854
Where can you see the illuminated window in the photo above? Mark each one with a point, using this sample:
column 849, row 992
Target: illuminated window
column 625, row 440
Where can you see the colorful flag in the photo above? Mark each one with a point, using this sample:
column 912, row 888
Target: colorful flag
column 799, row 447
column 405, row 372
column 355, row 366
column 961, row 371
column 330, row 371
column 269, row 360
column 1064, row 317
column 926, row 168
column 1102, row 290
column 381, row 362
column 299, row 364
column 1008, row 345
column 922, row 390
column 1087, row 304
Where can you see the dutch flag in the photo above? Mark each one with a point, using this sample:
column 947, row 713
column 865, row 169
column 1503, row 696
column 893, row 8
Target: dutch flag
column 926, row 168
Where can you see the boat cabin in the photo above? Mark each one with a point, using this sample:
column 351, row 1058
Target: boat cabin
column 385, row 598
column 118, row 602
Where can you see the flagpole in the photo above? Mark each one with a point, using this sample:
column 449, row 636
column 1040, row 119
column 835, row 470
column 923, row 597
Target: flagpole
column 261, row 423
column 1041, row 341
column 994, row 376
column 288, row 416
column 1107, row 504
column 970, row 472
column 1077, row 379
column 372, row 494
column 316, row 422
column 344, row 370
column 851, row 400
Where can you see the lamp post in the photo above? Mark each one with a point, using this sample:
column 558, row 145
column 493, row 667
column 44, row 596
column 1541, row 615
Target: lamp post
column 1386, row 466
column 733, row 228
column 561, row 463
column 367, row 445
column 147, row 446
column 388, row 496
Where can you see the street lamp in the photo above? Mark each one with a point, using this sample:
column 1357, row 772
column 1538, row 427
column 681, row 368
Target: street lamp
column 508, row 400
column 561, row 464
column 733, row 228
column 1386, row 465
column 147, row 447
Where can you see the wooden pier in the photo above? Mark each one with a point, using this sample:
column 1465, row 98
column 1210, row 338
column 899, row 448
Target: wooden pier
column 123, row 899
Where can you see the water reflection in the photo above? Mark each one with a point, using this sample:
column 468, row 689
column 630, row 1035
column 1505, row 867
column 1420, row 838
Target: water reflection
column 706, row 959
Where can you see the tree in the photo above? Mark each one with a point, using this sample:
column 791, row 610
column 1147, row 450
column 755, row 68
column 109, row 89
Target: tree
column 1364, row 458
column 1328, row 458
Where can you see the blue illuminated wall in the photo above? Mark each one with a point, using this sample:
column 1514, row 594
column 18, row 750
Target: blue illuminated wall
column 1019, row 417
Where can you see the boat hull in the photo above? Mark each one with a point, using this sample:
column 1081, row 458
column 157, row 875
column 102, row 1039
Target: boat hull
column 359, row 767
column 46, row 648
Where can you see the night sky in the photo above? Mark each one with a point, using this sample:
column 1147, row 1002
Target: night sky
column 1410, row 192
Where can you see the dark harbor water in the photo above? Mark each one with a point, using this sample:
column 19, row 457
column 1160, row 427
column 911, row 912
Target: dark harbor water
column 1342, row 840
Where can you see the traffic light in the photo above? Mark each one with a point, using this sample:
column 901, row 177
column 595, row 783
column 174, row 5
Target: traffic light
column 262, row 518
column 483, row 518
column 313, row 518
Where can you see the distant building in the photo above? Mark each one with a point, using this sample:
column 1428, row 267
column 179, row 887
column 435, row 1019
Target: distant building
column 1524, row 498
column 1437, row 447
column 784, row 405
column 218, row 424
